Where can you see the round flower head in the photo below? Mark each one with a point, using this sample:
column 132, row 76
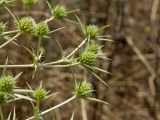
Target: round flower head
column 83, row 89
column 59, row 11
column 93, row 48
column 91, row 31
column 29, row 2
column 6, row 84
column 41, row 29
column 26, row 25
column 39, row 94
column 2, row 98
column 88, row 58
column 2, row 27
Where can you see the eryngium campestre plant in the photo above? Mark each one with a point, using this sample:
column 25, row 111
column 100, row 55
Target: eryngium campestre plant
column 83, row 89
column 91, row 31
column 41, row 29
column 26, row 25
column 39, row 94
column 6, row 84
column 93, row 48
column 88, row 58
column 59, row 11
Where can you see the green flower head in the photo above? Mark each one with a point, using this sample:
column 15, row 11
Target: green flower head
column 39, row 94
column 41, row 29
column 2, row 27
column 29, row 2
column 91, row 31
column 93, row 48
column 6, row 84
column 88, row 58
column 59, row 11
column 3, row 98
column 27, row 25
column 83, row 89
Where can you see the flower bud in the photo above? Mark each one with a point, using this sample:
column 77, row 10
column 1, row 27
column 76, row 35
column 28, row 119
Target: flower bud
column 93, row 48
column 83, row 89
column 27, row 25
column 59, row 11
column 39, row 94
column 88, row 58
column 91, row 31
column 41, row 29
column 29, row 2
column 6, row 84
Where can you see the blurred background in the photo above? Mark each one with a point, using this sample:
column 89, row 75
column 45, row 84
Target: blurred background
column 134, row 86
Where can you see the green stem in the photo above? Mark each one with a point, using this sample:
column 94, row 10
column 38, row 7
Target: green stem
column 28, row 11
column 10, row 40
column 10, row 13
column 37, row 112
column 18, row 66
column 39, row 45
column 57, row 106
column 1, row 113
column 60, row 66
column 42, row 65
column 49, row 19
column 75, row 50
column 10, row 32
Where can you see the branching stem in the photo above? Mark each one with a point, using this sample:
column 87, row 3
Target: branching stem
column 84, row 41
column 10, row 40
column 57, row 106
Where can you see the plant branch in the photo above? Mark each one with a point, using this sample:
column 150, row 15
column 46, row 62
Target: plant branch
column 49, row 19
column 10, row 40
column 57, row 106
column 84, row 41
column 41, row 65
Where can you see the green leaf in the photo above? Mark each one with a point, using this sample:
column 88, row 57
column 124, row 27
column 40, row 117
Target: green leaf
column 5, row 68
column 17, row 76
column 72, row 117
column 56, row 30
column 24, row 97
column 101, row 70
column 53, row 94
column 96, row 100
column 99, row 78
column 22, row 91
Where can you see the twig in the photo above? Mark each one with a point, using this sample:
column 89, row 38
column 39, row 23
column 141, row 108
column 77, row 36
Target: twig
column 10, row 40
column 146, row 64
column 154, row 10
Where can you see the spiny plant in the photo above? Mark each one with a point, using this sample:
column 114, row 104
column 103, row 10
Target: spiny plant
column 84, row 56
